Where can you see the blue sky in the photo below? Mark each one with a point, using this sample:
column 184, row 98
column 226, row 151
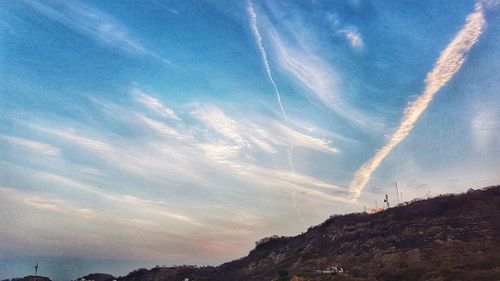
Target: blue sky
column 171, row 132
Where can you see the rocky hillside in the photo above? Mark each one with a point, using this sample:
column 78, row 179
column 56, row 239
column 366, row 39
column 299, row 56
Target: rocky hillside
column 451, row 237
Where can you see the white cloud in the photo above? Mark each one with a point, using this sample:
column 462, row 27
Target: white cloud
column 154, row 104
column 353, row 37
column 226, row 145
column 295, row 47
column 78, row 219
column 34, row 146
column 318, row 76
column 211, row 156
column 163, row 129
column 349, row 32
column 300, row 139
column 450, row 61
column 216, row 119
column 268, row 136
column 124, row 200
column 169, row 9
column 94, row 24
column 157, row 160
column 41, row 202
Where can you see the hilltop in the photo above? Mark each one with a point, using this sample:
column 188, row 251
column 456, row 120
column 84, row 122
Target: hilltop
column 449, row 237
column 96, row 277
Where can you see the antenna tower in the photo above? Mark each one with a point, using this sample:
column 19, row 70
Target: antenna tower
column 386, row 200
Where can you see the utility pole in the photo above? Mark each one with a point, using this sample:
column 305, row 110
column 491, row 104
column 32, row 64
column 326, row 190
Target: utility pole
column 386, row 200
column 397, row 191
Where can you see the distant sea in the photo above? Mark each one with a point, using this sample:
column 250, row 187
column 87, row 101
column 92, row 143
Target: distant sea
column 65, row 269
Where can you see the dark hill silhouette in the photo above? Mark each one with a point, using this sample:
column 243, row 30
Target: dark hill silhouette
column 97, row 277
column 449, row 237
column 29, row 278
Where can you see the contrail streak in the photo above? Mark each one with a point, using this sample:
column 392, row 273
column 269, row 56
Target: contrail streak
column 449, row 62
column 258, row 38
column 292, row 168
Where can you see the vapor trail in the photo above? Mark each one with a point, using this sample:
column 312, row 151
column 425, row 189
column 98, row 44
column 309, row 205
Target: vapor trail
column 292, row 168
column 258, row 38
column 449, row 62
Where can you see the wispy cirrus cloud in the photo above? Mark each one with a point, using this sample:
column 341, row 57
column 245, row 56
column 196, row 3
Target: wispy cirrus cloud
column 44, row 203
column 95, row 25
column 448, row 64
column 123, row 200
column 154, row 104
column 298, row 57
column 163, row 129
column 169, row 9
column 349, row 32
column 208, row 154
column 268, row 137
column 311, row 71
column 34, row 146
column 216, row 141
column 105, row 222
column 209, row 140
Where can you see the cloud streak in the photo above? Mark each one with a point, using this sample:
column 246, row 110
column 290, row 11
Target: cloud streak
column 35, row 146
column 313, row 72
column 245, row 134
column 450, row 61
column 263, row 53
column 210, row 140
column 94, row 24
column 154, row 104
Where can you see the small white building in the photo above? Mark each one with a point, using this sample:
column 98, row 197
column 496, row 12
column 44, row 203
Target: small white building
column 331, row 270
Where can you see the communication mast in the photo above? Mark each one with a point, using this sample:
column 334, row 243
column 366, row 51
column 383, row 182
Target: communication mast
column 36, row 270
column 386, row 200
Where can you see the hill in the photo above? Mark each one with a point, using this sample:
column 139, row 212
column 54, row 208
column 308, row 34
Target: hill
column 29, row 278
column 96, row 277
column 449, row 237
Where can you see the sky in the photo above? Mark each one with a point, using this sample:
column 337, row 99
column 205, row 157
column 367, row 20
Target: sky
column 136, row 133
